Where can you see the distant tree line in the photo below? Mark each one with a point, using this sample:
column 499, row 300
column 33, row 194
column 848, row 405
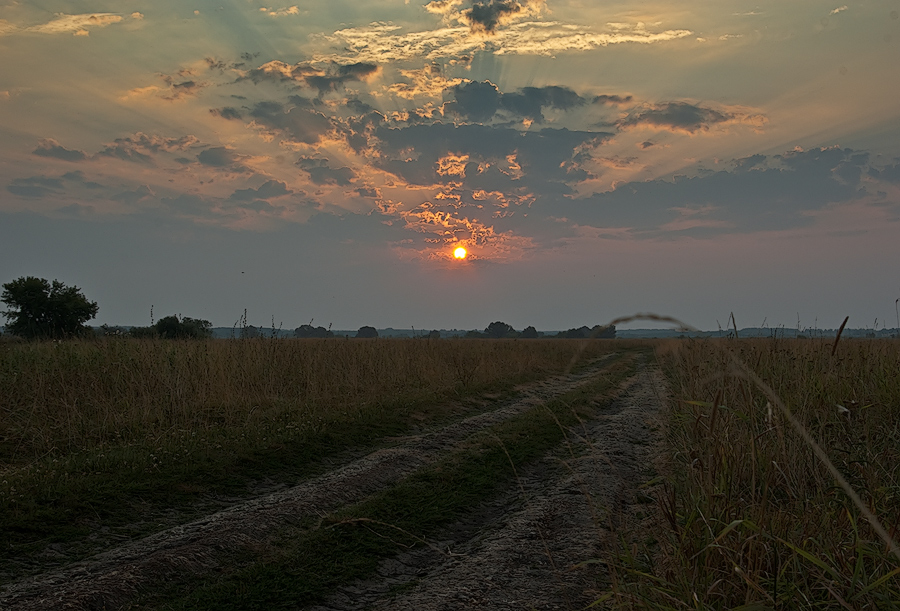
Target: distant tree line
column 502, row 330
column 39, row 309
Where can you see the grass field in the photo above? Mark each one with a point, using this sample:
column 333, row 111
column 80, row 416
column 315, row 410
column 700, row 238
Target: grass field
column 750, row 517
column 129, row 436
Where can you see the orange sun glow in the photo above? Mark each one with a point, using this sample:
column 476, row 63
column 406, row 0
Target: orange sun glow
column 459, row 253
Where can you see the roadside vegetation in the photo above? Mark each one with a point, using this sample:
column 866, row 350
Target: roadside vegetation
column 749, row 516
column 127, row 436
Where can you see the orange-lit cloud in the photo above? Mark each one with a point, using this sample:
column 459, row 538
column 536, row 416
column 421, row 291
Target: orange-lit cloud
column 76, row 23
column 382, row 42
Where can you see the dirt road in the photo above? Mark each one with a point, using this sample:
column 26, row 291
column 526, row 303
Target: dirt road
column 513, row 552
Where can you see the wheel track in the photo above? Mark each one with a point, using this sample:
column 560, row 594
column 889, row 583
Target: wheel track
column 518, row 552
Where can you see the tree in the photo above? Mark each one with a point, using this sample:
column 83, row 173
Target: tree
column 186, row 328
column 529, row 332
column 367, row 331
column 309, row 331
column 499, row 329
column 43, row 310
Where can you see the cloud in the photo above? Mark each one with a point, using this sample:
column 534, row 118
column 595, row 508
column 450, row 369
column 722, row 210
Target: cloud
column 228, row 112
column 612, row 100
column 267, row 190
column 140, row 147
column 6, row 27
column 427, row 81
column 381, row 42
column 476, row 101
column 890, row 173
column 281, row 12
column 76, row 23
column 35, row 186
column 321, row 174
column 760, row 193
column 297, row 120
column 219, row 157
column 51, row 148
column 135, row 195
column 838, row 10
column 331, row 77
column 137, row 16
column 500, row 159
column 178, row 87
column 687, row 118
column 480, row 101
column 484, row 17
column 78, row 177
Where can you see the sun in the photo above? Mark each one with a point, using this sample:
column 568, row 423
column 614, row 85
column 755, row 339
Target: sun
column 460, row 253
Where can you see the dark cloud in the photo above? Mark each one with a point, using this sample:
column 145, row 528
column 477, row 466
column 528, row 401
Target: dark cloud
column 357, row 106
column 218, row 157
column 777, row 193
column 270, row 188
column 51, row 148
column 134, row 148
column 330, row 78
column 476, row 101
column 529, row 102
column 679, row 116
column 78, row 177
column 480, row 101
column 227, row 112
column 647, row 144
column 335, row 78
column 35, row 186
column 179, row 89
column 368, row 192
column 134, row 196
column 484, row 17
column 298, row 121
column 321, row 174
column 890, row 173
column 614, row 100
column 125, row 151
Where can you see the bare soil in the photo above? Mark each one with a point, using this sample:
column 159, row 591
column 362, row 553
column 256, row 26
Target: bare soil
column 518, row 551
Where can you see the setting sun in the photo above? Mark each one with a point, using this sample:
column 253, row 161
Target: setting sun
column 459, row 253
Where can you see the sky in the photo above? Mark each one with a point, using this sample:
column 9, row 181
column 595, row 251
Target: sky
column 320, row 161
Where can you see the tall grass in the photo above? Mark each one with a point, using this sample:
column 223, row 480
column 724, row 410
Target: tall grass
column 57, row 398
column 752, row 516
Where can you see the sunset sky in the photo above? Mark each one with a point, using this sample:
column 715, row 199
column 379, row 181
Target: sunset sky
column 322, row 160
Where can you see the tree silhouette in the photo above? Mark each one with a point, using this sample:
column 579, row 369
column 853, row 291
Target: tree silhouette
column 186, row 328
column 43, row 310
column 499, row 329
column 367, row 331
column 529, row 333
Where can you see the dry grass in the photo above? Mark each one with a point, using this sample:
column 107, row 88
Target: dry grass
column 57, row 398
column 752, row 516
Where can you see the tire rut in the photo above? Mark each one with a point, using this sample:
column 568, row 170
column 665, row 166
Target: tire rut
column 524, row 550
column 112, row 578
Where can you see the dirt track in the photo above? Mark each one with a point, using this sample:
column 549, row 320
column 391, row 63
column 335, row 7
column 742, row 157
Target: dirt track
column 514, row 552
